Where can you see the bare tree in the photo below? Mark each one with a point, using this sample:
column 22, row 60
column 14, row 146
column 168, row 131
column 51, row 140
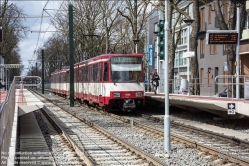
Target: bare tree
column 13, row 31
column 227, row 21
column 175, row 30
column 135, row 13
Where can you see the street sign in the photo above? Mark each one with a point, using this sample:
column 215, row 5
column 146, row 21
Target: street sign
column 222, row 38
column 188, row 54
column 150, row 54
column 231, row 109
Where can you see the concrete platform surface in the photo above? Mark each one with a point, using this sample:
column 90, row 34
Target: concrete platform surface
column 204, row 103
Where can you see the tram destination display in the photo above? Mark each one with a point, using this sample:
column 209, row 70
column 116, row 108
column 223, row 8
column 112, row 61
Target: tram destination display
column 222, row 38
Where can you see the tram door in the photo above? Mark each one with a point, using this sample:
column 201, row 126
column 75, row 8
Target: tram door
column 95, row 82
column 67, row 81
column 77, row 82
column 60, row 83
column 100, row 80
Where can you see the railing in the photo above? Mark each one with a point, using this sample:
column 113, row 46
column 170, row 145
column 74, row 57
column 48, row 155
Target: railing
column 7, row 109
column 209, row 86
column 243, row 79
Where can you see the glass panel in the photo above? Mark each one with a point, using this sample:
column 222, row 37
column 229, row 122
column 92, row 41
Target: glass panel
column 126, row 69
column 180, row 58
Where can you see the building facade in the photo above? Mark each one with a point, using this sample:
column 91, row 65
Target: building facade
column 211, row 58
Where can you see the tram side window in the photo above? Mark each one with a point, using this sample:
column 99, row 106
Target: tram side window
column 59, row 77
column 95, row 73
column 85, row 74
column 100, row 72
column 75, row 75
column 68, row 76
column 82, row 74
column 65, row 78
column 105, row 71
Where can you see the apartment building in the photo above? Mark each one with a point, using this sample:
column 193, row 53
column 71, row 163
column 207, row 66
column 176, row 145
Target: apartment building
column 211, row 58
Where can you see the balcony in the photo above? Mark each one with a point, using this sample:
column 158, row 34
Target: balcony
column 203, row 27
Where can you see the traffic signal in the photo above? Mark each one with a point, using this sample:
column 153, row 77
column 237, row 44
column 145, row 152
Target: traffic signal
column 161, row 39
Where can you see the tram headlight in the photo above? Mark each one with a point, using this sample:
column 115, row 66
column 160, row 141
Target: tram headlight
column 138, row 94
column 116, row 94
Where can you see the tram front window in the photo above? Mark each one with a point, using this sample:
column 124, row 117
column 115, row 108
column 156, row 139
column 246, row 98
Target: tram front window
column 126, row 69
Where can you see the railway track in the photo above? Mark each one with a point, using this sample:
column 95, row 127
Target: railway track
column 224, row 149
column 61, row 146
column 219, row 148
column 100, row 146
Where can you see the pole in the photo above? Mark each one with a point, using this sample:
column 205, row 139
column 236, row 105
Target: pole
column 166, row 85
column 42, row 71
column 188, row 66
column 106, row 37
column 157, row 50
column 157, row 58
column 36, row 73
column 71, row 52
column 237, row 54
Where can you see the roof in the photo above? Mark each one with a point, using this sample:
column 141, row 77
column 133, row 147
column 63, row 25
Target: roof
column 11, row 66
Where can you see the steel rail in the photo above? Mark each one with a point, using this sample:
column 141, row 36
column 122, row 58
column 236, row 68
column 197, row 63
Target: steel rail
column 213, row 151
column 151, row 159
column 81, row 154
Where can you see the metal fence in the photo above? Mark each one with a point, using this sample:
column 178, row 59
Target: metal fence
column 211, row 86
column 7, row 110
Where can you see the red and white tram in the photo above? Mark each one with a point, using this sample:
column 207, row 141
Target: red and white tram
column 108, row 81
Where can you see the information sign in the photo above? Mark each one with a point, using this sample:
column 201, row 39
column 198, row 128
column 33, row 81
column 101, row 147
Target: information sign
column 231, row 109
column 222, row 38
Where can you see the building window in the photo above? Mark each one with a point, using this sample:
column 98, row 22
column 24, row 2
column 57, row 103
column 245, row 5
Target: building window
column 202, row 48
column 182, row 37
column 224, row 49
column 156, row 29
column 179, row 60
column 176, row 59
column 202, row 77
column 202, row 19
column 225, row 79
column 213, row 49
column 225, row 11
column 155, row 47
column 210, row 75
column 210, row 15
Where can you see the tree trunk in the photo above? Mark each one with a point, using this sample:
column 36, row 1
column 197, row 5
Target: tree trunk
column 195, row 86
column 230, row 24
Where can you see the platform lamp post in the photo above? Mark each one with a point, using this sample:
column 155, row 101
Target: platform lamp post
column 238, row 3
column 166, row 85
column 188, row 22
column 136, row 42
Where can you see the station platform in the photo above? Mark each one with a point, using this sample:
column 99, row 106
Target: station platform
column 215, row 105
column 25, row 104
column 3, row 95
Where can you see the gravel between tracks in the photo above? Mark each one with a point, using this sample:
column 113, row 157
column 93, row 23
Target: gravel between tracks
column 180, row 154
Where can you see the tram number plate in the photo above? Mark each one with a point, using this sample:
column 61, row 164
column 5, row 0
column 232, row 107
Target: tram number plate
column 231, row 109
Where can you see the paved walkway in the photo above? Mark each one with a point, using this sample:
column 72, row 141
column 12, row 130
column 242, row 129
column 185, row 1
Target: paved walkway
column 3, row 95
column 204, row 103
column 26, row 102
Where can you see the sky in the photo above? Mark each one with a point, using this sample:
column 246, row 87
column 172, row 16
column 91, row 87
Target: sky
column 29, row 44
